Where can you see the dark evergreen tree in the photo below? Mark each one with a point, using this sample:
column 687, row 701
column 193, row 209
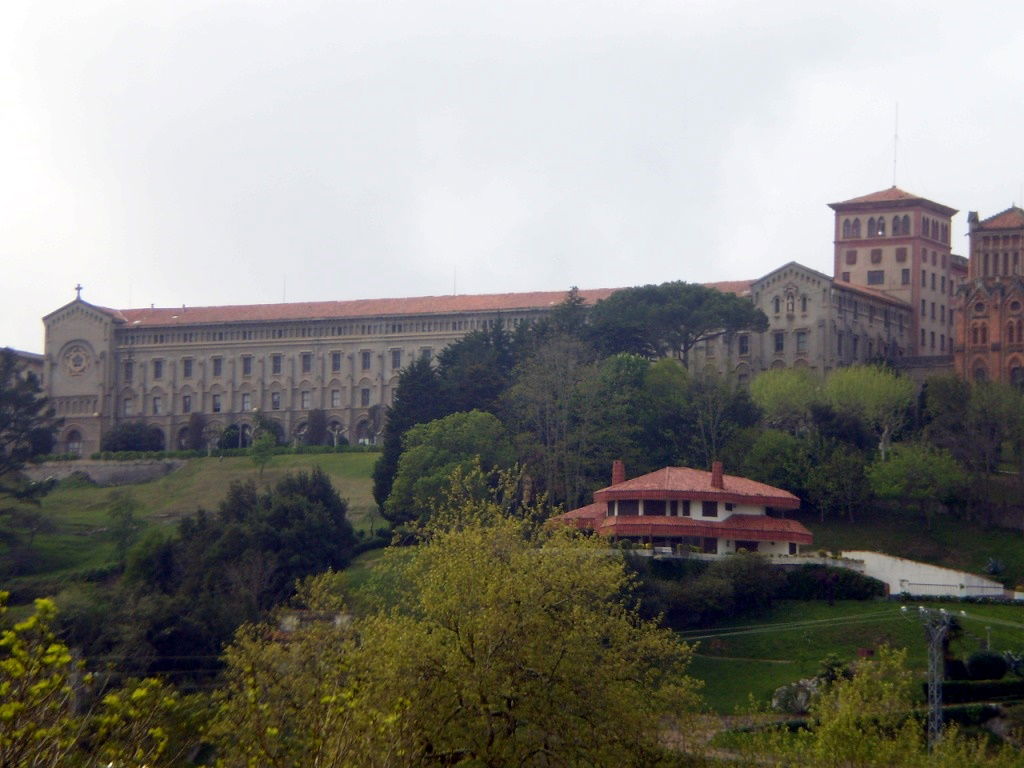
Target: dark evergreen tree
column 316, row 428
column 476, row 370
column 133, row 436
column 419, row 398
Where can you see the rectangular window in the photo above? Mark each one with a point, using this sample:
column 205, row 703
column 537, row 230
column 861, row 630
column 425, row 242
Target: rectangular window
column 780, row 341
column 922, row 337
column 275, row 401
column 729, row 506
column 942, row 313
column 709, row 509
column 933, row 339
column 905, row 277
column 943, row 284
column 186, row 403
column 924, row 279
column 364, row 397
column 846, row 277
column 744, row 344
column 901, row 255
column 685, row 511
column 129, row 370
column 364, row 358
column 942, row 342
column 216, row 403
column 839, row 343
column 801, row 342
column 933, row 281
column 186, row 368
column 129, row 406
column 158, row 405
column 218, row 366
column 851, row 257
column 246, row 401
column 396, row 359
column 933, row 310
column 335, row 362
column 855, row 342
column 876, row 277
column 307, row 362
column 247, row 365
column 876, row 255
column 275, row 364
column 158, row 369
column 335, row 398
column 924, row 308
column 426, row 353
column 304, row 398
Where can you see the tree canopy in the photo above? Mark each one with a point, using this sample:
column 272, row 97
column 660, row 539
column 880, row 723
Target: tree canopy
column 667, row 319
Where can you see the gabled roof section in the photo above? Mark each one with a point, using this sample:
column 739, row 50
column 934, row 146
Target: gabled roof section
column 888, row 197
column 793, row 265
column 113, row 313
column 1011, row 218
column 695, row 484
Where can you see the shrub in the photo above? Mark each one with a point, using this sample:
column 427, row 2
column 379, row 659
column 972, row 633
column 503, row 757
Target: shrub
column 822, row 582
column 986, row 665
column 966, row 691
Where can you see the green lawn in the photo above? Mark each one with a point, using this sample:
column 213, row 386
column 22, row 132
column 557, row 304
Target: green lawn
column 753, row 656
column 951, row 542
column 81, row 539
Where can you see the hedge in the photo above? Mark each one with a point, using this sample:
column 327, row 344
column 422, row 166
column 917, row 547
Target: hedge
column 822, row 582
column 968, row 691
column 281, row 450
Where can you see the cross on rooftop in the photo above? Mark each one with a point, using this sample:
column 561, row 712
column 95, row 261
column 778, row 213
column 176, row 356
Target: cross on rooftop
column 78, row 291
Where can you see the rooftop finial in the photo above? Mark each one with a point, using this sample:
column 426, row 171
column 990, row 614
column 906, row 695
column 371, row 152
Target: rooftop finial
column 78, row 291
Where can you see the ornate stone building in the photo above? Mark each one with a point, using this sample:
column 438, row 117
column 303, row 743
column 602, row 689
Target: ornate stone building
column 103, row 366
column 990, row 338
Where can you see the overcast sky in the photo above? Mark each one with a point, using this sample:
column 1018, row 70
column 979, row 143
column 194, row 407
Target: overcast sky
column 201, row 153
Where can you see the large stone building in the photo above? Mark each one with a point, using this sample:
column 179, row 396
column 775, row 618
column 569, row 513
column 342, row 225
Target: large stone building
column 103, row 366
column 990, row 338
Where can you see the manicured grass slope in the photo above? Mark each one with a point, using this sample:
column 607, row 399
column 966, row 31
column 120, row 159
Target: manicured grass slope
column 82, row 540
column 753, row 656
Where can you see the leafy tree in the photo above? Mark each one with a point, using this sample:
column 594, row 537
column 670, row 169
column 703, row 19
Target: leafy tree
column 668, row 319
column 552, row 407
column 316, row 428
column 719, row 409
column 133, row 436
column 839, row 483
column 916, row 474
column 878, row 396
column 125, row 525
column 434, row 450
column 500, row 652
column 195, row 439
column 664, row 415
column 263, row 423
column 785, row 397
column 25, row 416
column 262, row 451
column 419, row 398
column 780, row 459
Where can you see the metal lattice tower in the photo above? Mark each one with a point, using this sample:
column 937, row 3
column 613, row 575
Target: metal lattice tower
column 936, row 627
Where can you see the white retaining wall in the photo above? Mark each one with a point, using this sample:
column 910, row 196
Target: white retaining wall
column 916, row 578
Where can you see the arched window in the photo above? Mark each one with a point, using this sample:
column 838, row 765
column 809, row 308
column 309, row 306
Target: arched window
column 777, row 305
column 803, row 304
column 74, row 441
column 974, row 334
column 856, row 227
column 984, row 333
column 906, row 225
column 980, row 374
column 881, row 227
column 1016, row 375
column 846, row 228
column 1009, row 332
column 871, row 227
column 896, row 228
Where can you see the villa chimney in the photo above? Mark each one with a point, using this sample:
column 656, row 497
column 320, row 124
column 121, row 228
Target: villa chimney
column 716, row 474
column 618, row 472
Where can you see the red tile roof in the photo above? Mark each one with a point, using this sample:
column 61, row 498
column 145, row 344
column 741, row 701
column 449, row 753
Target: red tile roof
column 752, row 527
column 738, row 287
column 872, row 292
column 891, row 195
column 695, row 484
column 327, row 310
column 1011, row 218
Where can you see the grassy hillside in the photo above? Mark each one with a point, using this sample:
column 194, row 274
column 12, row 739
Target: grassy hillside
column 81, row 539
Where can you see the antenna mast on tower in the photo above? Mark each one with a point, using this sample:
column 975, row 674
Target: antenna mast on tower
column 895, row 142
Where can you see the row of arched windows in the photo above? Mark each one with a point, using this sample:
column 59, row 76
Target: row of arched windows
column 876, row 227
column 979, row 333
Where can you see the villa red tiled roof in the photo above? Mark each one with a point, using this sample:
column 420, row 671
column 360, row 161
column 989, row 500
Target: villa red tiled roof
column 583, row 517
column 743, row 527
column 695, row 484
column 1011, row 218
column 737, row 287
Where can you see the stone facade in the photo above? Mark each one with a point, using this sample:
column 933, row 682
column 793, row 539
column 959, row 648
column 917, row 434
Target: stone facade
column 990, row 339
column 104, row 366
column 814, row 322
